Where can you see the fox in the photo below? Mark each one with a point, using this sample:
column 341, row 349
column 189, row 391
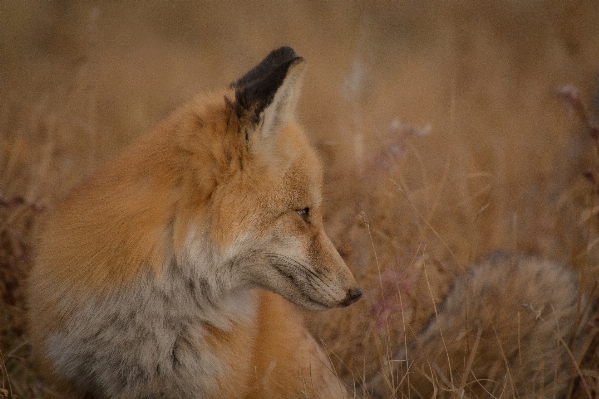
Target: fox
column 513, row 326
column 180, row 267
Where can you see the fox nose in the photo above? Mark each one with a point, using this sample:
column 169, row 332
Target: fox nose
column 353, row 294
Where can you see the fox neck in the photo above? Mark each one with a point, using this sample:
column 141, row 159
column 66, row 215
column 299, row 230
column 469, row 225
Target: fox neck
column 209, row 281
column 204, row 297
column 163, row 311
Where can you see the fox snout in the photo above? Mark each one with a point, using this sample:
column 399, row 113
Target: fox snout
column 347, row 285
column 353, row 295
column 340, row 289
column 346, row 296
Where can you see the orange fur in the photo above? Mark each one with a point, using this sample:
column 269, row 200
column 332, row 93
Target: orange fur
column 150, row 275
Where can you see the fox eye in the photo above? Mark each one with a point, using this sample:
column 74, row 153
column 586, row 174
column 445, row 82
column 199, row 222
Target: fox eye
column 304, row 214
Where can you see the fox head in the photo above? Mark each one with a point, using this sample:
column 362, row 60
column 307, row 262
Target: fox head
column 263, row 207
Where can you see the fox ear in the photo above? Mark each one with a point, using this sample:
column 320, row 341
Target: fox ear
column 269, row 92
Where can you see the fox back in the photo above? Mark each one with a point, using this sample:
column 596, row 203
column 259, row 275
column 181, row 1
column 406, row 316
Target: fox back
column 151, row 277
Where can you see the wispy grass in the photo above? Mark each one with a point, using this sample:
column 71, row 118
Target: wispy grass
column 501, row 164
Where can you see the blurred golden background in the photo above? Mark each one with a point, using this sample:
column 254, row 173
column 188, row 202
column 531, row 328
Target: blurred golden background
column 438, row 122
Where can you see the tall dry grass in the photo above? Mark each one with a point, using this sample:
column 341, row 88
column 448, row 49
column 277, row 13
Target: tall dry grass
column 439, row 123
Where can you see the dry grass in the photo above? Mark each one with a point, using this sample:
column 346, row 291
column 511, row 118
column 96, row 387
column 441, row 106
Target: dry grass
column 503, row 165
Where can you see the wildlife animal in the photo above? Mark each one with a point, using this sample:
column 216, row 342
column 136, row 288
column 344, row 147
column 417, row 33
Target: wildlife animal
column 176, row 269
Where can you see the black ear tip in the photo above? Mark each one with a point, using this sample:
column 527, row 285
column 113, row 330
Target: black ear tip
column 255, row 90
column 284, row 52
column 276, row 58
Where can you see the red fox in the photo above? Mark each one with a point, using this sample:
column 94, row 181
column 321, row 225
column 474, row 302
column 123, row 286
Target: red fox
column 163, row 275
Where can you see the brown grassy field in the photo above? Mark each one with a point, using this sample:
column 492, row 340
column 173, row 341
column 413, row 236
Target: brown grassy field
column 439, row 123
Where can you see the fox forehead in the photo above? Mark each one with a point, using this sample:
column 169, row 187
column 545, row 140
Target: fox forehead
column 300, row 175
column 276, row 175
column 287, row 178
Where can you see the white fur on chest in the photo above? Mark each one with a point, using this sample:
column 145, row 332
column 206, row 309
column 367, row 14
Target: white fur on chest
column 146, row 339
